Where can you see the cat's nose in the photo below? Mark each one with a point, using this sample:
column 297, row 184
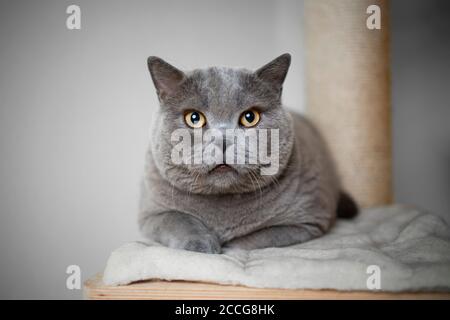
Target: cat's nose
column 227, row 139
column 227, row 146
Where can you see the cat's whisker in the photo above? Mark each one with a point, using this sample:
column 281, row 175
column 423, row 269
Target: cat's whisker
column 275, row 180
column 194, row 184
column 251, row 179
column 196, row 176
column 173, row 189
column 259, row 185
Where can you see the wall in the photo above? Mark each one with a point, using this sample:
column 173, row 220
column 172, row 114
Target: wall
column 421, row 103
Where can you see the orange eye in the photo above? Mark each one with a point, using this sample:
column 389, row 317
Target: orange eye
column 249, row 118
column 195, row 119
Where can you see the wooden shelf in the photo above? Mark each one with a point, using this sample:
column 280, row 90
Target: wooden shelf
column 184, row 290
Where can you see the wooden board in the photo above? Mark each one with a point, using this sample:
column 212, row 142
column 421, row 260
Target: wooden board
column 185, row 290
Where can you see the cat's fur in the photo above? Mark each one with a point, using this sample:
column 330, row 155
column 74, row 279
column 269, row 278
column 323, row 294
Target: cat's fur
column 189, row 207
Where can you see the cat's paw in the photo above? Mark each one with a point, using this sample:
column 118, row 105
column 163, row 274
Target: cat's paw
column 203, row 243
column 239, row 243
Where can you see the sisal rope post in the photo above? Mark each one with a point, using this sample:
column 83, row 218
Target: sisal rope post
column 348, row 93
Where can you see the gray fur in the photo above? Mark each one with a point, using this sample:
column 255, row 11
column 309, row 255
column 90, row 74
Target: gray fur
column 187, row 207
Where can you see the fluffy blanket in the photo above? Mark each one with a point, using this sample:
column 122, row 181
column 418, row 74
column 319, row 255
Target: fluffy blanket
column 396, row 248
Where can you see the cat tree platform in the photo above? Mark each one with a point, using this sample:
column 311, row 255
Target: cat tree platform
column 383, row 250
column 348, row 97
column 94, row 289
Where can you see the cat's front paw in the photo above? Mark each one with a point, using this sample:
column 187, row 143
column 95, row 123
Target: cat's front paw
column 239, row 243
column 203, row 243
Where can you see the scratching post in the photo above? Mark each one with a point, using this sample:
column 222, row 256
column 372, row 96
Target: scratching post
column 348, row 95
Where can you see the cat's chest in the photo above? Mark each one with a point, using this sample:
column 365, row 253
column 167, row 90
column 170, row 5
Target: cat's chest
column 231, row 216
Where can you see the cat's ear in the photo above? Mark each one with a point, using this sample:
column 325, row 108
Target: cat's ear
column 275, row 71
column 166, row 77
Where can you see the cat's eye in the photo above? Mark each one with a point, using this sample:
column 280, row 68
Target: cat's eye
column 195, row 119
column 249, row 118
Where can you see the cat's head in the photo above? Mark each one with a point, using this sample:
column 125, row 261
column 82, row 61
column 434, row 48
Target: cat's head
column 216, row 102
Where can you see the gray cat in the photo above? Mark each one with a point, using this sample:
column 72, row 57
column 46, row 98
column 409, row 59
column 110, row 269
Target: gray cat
column 206, row 207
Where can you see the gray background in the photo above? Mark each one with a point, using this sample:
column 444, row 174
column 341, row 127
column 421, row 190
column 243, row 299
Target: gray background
column 75, row 108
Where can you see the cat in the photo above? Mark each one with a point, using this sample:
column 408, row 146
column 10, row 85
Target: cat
column 209, row 207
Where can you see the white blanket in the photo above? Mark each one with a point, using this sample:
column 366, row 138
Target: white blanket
column 409, row 248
